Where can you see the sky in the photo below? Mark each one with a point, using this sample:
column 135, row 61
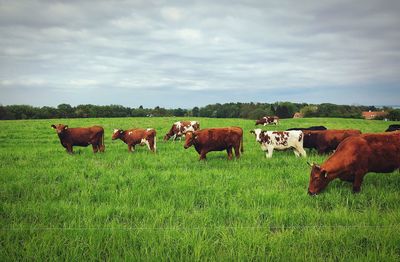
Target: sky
column 193, row 53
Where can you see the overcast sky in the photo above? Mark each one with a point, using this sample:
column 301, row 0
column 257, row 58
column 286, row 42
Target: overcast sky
column 187, row 53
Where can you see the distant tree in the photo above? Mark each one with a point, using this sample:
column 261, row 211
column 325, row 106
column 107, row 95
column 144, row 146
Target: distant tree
column 258, row 113
column 195, row 111
column 285, row 110
column 179, row 112
column 309, row 111
column 394, row 115
column 65, row 111
column 6, row 114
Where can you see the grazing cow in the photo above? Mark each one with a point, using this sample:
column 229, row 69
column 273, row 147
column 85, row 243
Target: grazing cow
column 180, row 128
column 280, row 140
column 80, row 136
column 325, row 141
column 308, row 128
column 216, row 139
column 355, row 157
column 268, row 120
column 393, row 128
column 132, row 137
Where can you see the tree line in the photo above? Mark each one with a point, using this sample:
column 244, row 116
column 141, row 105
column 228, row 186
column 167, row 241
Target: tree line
column 227, row 110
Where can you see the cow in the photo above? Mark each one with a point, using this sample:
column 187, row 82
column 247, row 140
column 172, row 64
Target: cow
column 268, row 120
column 80, row 136
column 355, row 157
column 280, row 140
column 216, row 139
column 180, row 128
column 132, row 137
column 325, row 141
column 308, row 128
column 393, row 128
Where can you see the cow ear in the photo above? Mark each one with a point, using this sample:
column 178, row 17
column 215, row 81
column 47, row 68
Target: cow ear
column 308, row 163
column 315, row 165
column 53, row 126
column 66, row 127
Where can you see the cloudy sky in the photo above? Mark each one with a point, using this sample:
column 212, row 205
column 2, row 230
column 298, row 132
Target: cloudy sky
column 186, row 53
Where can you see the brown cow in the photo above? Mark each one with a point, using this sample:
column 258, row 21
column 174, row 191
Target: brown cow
column 216, row 139
column 268, row 120
column 325, row 141
column 80, row 136
column 132, row 137
column 180, row 128
column 355, row 157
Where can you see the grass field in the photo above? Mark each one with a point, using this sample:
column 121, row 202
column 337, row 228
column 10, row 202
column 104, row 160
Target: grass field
column 169, row 206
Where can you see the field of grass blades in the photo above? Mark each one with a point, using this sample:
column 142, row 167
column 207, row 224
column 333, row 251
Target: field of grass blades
column 170, row 206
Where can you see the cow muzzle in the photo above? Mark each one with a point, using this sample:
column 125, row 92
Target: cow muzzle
column 312, row 193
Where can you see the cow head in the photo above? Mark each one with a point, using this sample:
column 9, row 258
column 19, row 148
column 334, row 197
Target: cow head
column 190, row 139
column 318, row 179
column 117, row 133
column 258, row 133
column 60, row 128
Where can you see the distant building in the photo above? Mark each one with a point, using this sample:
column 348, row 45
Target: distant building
column 298, row 115
column 373, row 114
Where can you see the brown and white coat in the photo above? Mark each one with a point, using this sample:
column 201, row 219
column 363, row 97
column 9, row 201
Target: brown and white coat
column 280, row 140
column 180, row 128
column 132, row 137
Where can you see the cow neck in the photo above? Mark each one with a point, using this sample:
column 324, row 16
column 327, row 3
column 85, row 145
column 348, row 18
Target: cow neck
column 330, row 168
column 124, row 136
column 64, row 134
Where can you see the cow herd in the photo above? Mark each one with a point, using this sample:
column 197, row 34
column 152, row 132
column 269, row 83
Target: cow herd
column 355, row 154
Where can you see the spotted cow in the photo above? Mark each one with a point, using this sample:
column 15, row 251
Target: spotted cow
column 280, row 140
column 180, row 128
column 268, row 120
column 132, row 137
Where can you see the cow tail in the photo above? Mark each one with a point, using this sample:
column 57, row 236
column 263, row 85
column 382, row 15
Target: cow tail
column 102, row 141
column 241, row 144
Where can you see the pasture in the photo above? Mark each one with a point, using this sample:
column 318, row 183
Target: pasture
column 170, row 206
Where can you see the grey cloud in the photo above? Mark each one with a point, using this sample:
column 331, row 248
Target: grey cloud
column 159, row 47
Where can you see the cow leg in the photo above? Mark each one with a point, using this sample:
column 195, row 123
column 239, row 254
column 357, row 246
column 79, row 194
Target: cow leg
column 296, row 153
column 152, row 145
column 130, row 147
column 229, row 151
column 358, row 179
column 237, row 151
column 203, row 155
column 269, row 152
column 301, row 151
column 321, row 150
column 69, row 149
column 95, row 148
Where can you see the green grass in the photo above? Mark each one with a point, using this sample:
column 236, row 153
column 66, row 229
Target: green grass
column 170, row 206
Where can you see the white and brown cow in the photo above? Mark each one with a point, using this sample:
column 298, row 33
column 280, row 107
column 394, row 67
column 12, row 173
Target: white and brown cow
column 132, row 137
column 268, row 120
column 180, row 128
column 280, row 140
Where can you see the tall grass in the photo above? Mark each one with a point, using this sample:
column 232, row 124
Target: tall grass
column 170, row 206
